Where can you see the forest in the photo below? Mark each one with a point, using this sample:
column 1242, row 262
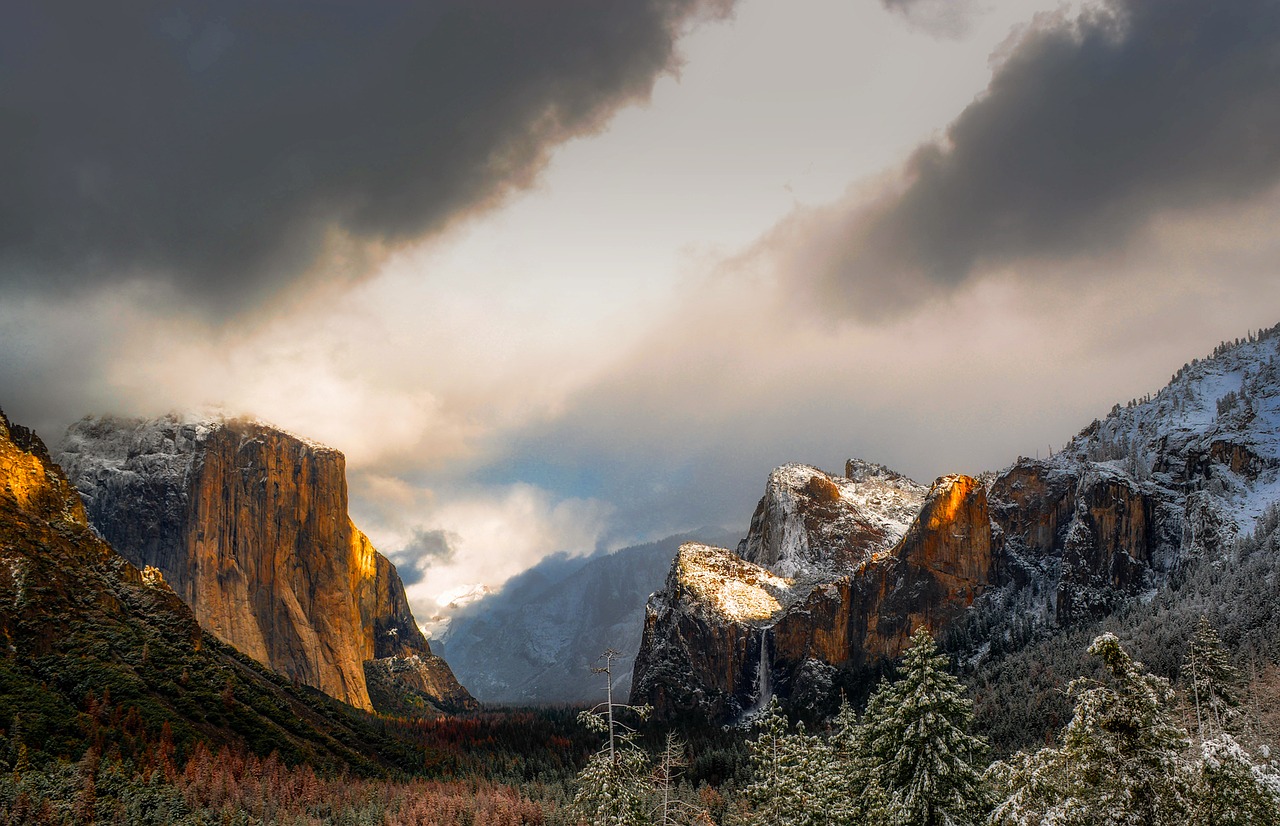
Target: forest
column 1162, row 713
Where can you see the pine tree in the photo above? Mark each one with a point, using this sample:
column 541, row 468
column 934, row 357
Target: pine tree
column 784, row 790
column 613, row 788
column 1212, row 682
column 1119, row 764
column 1230, row 790
column 847, row 785
column 924, row 756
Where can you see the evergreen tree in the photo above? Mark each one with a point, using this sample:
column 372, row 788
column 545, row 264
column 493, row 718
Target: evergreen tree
column 1119, row 764
column 1212, row 682
column 785, row 766
column 917, row 733
column 613, row 788
column 1230, row 790
column 847, row 784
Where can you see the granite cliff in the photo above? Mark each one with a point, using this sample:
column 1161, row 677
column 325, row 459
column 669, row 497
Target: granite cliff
column 835, row 573
column 249, row 526
column 82, row 629
column 726, row 630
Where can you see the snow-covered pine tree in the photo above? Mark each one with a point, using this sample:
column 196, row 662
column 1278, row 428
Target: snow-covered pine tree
column 785, row 789
column 1119, row 764
column 1230, row 790
column 613, row 788
column 1212, row 682
column 918, row 735
column 846, row 783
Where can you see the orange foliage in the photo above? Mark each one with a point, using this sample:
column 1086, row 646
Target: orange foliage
column 237, row 782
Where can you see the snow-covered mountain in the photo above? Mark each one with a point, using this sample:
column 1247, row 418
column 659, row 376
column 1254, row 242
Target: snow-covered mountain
column 810, row 525
column 1215, row 428
column 841, row 570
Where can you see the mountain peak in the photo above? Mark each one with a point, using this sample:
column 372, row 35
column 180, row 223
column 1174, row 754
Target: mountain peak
column 810, row 524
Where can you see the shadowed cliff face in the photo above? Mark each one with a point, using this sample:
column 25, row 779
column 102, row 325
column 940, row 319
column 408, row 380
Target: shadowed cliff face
column 249, row 526
column 1085, row 536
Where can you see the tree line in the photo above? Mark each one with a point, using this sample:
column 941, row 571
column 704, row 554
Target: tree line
column 1124, row 759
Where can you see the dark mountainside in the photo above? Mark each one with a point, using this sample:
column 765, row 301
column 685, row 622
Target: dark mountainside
column 249, row 526
column 535, row 641
column 837, row 572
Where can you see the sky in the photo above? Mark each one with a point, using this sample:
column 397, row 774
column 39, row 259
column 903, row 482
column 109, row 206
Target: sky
column 576, row 274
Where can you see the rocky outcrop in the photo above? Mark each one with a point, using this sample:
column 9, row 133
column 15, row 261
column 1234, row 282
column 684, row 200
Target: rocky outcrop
column 30, row 481
column 701, row 649
column 722, row 619
column 249, row 526
column 46, row 544
column 1080, row 539
column 809, row 524
column 861, row 562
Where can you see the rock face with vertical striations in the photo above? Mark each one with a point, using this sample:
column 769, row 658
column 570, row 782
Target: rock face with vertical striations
column 84, row 632
column 249, row 526
column 840, row 572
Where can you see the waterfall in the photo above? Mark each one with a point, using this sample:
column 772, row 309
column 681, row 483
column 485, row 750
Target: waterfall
column 764, row 683
column 764, row 674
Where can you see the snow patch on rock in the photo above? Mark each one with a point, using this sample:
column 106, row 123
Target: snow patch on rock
column 734, row 588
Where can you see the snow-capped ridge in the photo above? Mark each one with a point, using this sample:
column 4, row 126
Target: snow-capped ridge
column 1214, row 428
column 815, row 526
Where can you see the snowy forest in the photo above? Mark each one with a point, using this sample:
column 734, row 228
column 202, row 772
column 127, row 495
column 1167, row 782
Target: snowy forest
column 1124, row 758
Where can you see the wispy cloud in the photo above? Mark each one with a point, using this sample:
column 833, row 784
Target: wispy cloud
column 942, row 18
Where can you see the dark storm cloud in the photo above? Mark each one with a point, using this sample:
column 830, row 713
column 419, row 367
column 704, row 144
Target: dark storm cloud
column 219, row 145
column 426, row 549
column 1089, row 129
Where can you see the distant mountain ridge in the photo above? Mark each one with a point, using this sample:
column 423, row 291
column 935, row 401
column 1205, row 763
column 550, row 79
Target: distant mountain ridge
column 249, row 526
column 836, row 583
column 534, row 641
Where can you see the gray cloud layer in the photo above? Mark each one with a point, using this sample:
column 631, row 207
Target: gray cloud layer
column 217, row 146
column 424, row 549
column 1090, row 128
